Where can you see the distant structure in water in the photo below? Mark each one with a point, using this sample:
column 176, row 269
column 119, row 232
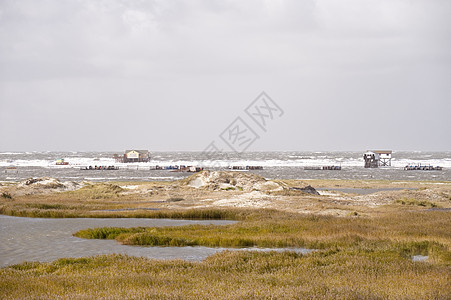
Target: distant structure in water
column 323, row 168
column 61, row 162
column 422, row 168
column 133, row 156
column 377, row 158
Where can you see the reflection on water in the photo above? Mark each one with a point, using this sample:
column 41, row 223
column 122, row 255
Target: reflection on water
column 36, row 239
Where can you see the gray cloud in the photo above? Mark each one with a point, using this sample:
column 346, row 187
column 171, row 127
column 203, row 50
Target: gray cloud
column 171, row 75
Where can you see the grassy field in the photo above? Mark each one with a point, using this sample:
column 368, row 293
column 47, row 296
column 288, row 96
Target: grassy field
column 365, row 252
column 331, row 274
column 356, row 257
column 411, row 233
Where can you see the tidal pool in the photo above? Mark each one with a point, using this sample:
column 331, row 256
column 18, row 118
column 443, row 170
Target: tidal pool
column 38, row 239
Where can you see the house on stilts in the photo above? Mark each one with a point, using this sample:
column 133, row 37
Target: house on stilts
column 131, row 156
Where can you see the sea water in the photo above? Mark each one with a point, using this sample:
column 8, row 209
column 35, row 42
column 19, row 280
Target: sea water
column 37, row 239
column 287, row 165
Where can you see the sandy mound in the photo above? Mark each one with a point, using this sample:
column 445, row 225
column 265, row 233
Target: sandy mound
column 252, row 199
column 306, row 189
column 421, row 197
column 101, row 190
column 228, row 180
column 45, row 184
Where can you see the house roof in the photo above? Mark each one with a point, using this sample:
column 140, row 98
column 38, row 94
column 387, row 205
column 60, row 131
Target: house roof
column 383, row 151
column 139, row 151
column 369, row 153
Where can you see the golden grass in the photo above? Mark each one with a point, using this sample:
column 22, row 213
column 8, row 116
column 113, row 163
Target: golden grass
column 366, row 254
column 231, row 275
column 358, row 257
column 368, row 183
column 409, row 233
column 415, row 202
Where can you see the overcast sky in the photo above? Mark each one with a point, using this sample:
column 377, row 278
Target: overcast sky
column 82, row 75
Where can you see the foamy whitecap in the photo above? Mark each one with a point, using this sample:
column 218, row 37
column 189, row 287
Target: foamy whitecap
column 287, row 164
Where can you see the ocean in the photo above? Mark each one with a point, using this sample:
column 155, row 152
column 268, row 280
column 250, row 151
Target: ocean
column 17, row 166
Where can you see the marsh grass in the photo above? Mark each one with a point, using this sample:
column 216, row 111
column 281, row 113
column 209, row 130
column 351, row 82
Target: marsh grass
column 347, row 274
column 191, row 214
column 229, row 188
column 288, row 192
column 6, row 195
column 175, row 199
column 368, row 183
column 99, row 191
column 415, row 202
column 358, row 256
column 46, row 206
column 409, row 234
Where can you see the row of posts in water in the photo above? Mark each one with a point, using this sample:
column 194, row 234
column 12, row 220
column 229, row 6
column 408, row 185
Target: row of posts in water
column 183, row 168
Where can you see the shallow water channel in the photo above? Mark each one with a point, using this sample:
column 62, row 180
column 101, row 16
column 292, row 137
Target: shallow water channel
column 37, row 239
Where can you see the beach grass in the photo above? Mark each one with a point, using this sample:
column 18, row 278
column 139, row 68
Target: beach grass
column 333, row 274
column 415, row 202
column 412, row 233
column 365, row 253
column 354, row 258
column 53, row 211
column 6, row 195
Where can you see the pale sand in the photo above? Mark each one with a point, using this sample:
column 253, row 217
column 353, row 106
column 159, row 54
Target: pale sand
column 246, row 190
